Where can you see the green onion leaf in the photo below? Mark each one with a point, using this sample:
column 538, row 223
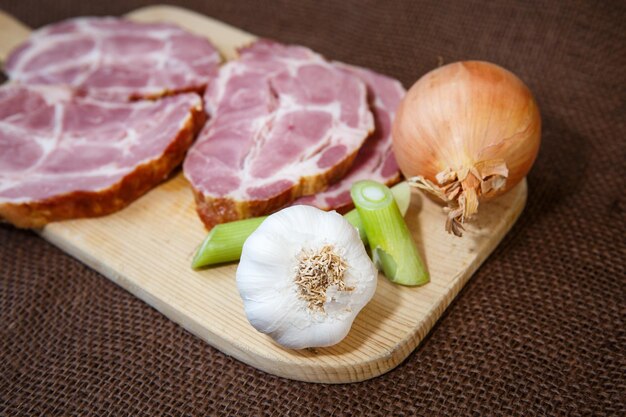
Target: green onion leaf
column 393, row 247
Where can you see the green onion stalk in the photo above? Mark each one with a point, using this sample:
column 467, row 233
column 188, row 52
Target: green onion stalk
column 393, row 248
column 225, row 241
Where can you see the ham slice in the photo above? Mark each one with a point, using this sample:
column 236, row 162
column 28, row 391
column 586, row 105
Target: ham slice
column 284, row 123
column 375, row 160
column 63, row 156
column 112, row 58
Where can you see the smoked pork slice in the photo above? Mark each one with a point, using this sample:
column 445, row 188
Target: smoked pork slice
column 113, row 58
column 375, row 160
column 63, row 156
column 283, row 123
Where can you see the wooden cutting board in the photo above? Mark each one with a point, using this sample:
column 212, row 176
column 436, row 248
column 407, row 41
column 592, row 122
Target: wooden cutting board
column 147, row 249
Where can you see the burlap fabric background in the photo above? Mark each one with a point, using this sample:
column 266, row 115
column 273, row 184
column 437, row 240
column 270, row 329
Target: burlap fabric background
column 540, row 328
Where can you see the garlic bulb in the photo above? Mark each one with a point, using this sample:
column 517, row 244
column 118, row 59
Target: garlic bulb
column 304, row 275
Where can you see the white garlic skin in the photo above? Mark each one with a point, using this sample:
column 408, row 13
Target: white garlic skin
column 266, row 272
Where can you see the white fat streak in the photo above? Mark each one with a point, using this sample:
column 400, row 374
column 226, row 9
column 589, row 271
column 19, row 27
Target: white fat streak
column 93, row 59
column 262, row 128
column 85, row 25
column 39, row 44
column 162, row 58
column 131, row 138
column 218, row 87
column 53, row 95
column 49, row 145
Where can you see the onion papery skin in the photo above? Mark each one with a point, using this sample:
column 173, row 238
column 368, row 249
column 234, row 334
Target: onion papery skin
column 459, row 116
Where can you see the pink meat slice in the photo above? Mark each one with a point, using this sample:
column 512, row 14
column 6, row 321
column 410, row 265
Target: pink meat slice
column 375, row 160
column 113, row 58
column 63, row 156
column 284, row 123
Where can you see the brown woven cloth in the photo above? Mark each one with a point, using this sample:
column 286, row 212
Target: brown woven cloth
column 540, row 328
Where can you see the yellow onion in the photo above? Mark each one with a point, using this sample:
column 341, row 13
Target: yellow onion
column 466, row 132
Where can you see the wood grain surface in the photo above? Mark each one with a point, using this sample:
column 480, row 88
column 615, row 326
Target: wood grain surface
column 147, row 249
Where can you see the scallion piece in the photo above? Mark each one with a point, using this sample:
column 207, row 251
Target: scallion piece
column 401, row 193
column 393, row 247
column 225, row 241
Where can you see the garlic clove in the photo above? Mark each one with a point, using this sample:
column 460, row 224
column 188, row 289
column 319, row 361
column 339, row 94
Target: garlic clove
column 303, row 277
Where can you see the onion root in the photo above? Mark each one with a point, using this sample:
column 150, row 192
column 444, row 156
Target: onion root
column 462, row 189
